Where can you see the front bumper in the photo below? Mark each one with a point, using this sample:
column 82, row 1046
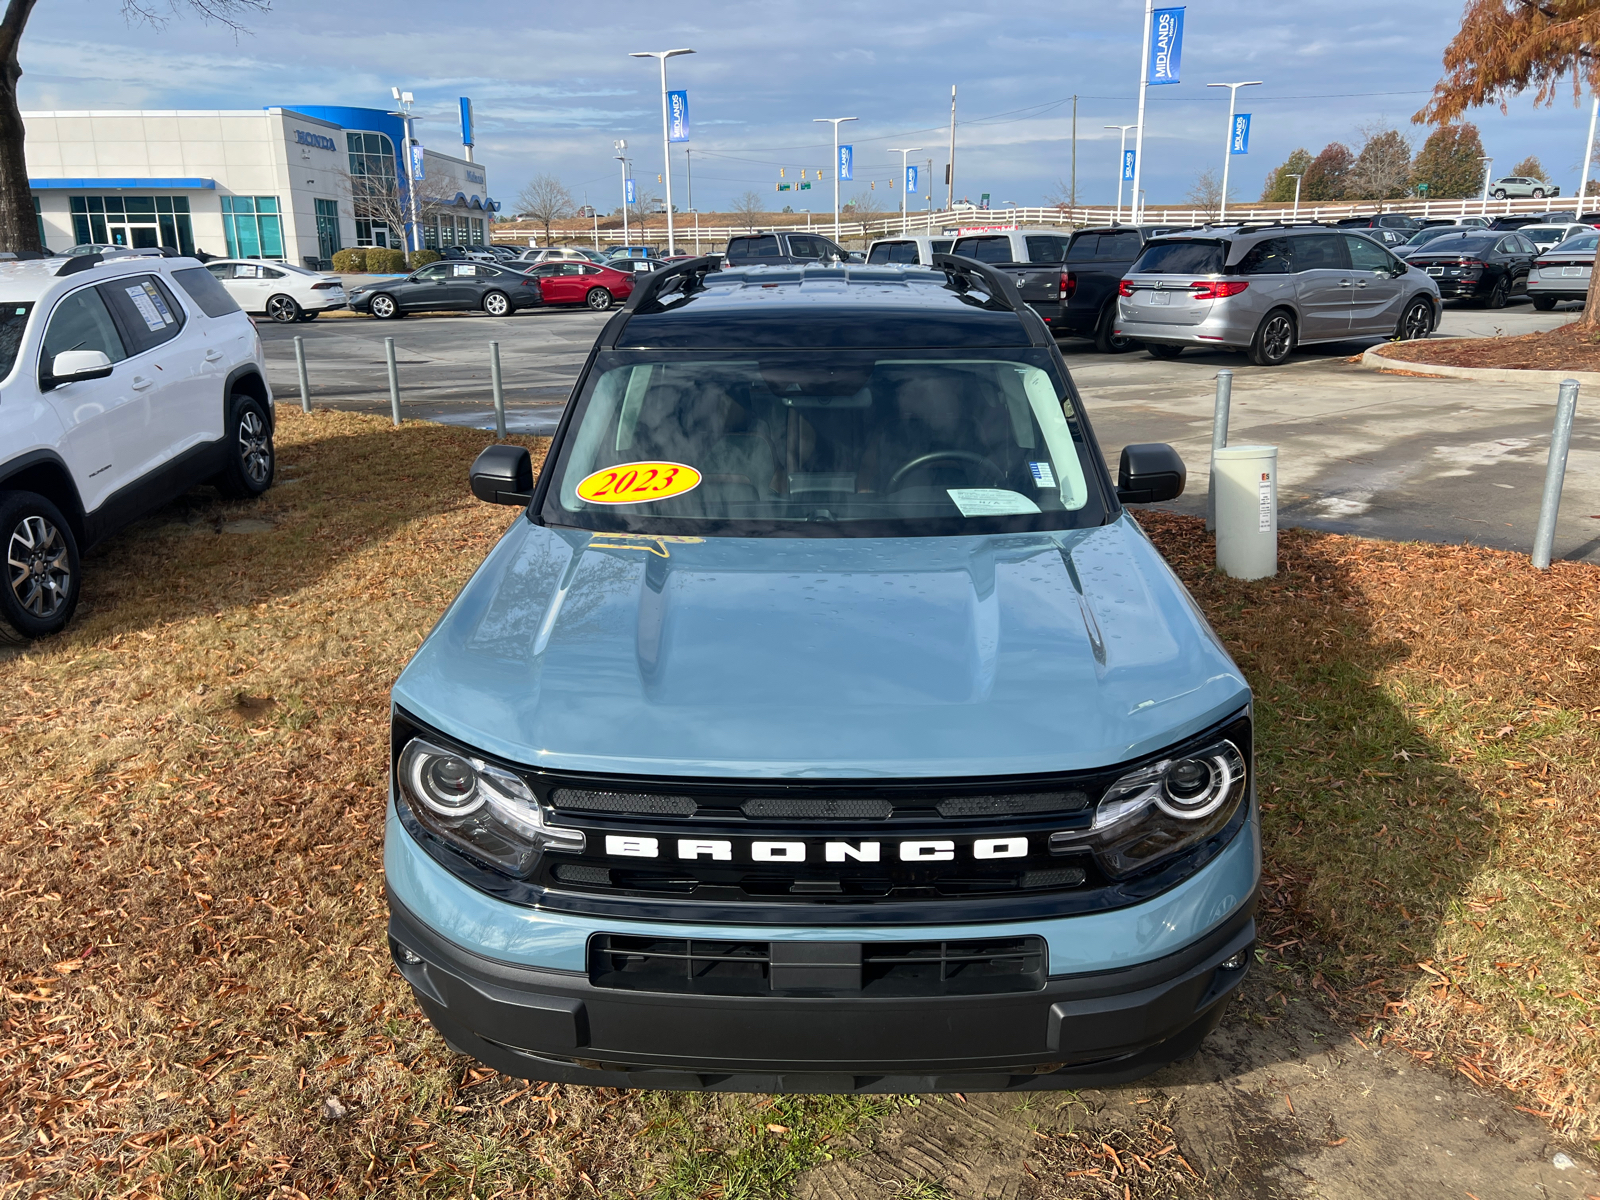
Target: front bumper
column 1132, row 990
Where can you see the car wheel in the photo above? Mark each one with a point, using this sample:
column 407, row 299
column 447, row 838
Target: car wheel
column 250, row 458
column 598, row 299
column 1416, row 322
column 1106, row 340
column 1157, row 350
column 40, row 589
column 1544, row 303
column 383, row 307
column 1274, row 340
column 1502, row 290
column 496, row 304
column 283, row 310
column 1538, row 193
column 1499, row 193
column 309, row 316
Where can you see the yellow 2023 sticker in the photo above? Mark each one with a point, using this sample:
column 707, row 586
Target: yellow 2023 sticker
column 638, row 483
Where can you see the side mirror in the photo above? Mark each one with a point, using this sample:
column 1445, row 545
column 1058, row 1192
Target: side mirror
column 70, row 366
column 503, row 475
column 1150, row 472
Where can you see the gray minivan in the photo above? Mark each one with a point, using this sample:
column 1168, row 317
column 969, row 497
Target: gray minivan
column 1266, row 290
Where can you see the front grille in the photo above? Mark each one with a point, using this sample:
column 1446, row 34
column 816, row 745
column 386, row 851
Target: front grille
column 972, row 967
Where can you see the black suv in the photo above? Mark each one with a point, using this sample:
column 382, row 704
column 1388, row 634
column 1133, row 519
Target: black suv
column 1097, row 259
column 782, row 249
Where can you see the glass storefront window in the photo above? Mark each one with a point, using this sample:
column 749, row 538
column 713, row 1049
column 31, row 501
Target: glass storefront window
column 373, row 185
column 138, row 221
column 252, row 226
column 328, row 242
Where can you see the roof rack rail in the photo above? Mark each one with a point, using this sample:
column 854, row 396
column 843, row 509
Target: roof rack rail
column 78, row 262
column 963, row 270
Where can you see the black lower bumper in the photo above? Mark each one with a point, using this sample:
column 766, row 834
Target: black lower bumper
column 1077, row 1031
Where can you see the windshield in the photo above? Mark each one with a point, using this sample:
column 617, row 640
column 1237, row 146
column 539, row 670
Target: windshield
column 798, row 444
column 13, row 321
column 1184, row 257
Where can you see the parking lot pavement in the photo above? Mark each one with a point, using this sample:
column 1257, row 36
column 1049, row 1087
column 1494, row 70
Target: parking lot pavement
column 1359, row 451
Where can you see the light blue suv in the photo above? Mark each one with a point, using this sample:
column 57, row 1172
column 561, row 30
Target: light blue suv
column 823, row 722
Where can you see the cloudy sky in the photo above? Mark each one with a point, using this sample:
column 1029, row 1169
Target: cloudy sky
column 553, row 85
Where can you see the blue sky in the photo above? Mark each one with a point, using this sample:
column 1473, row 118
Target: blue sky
column 553, row 85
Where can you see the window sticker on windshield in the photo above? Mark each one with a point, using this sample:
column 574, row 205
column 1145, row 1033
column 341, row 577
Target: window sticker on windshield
column 145, row 299
column 640, row 483
column 1043, row 476
column 462, row 271
column 990, row 502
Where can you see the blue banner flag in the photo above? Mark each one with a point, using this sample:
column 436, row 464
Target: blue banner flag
column 677, row 116
column 416, row 160
column 467, row 138
column 627, row 192
column 1127, row 164
column 1166, row 45
column 1240, row 141
column 847, row 155
column 911, row 179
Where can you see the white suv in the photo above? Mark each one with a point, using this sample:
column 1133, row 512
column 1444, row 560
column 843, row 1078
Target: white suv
column 124, row 381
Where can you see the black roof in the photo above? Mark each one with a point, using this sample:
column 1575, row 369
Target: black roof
column 842, row 306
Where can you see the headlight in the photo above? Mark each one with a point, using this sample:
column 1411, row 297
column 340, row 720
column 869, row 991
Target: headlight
column 479, row 808
column 1163, row 808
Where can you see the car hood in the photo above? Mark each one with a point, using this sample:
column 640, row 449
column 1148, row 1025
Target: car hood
column 845, row 658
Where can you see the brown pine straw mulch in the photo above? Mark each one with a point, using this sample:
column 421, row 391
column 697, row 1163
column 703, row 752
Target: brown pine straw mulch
column 1572, row 347
column 195, row 992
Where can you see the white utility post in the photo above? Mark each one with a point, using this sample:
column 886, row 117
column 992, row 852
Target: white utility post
column 1138, row 138
column 1487, row 162
column 666, row 142
column 904, row 175
column 622, row 157
column 1122, row 153
column 951, row 182
column 405, row 101
column 1588, row 156
column 1297, row 179
column 1227, row 142
column 836, row 122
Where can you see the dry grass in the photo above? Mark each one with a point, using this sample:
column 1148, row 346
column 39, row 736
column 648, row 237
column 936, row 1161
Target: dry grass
column 193, row 959
column 1429, row 746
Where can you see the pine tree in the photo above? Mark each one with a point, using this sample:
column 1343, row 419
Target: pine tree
column 1450, row 163
column 1280, row 183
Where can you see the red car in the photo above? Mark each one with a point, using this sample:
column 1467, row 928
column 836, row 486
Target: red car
column 582, row 283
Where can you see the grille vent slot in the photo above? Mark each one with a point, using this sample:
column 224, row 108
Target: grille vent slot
column 623, row 802
column 815, row 809
column 1001, row 806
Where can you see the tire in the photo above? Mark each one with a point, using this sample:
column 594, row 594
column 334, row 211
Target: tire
column 1544, row 303
column 1274, row 340
column 309, row 316
column 1538, row 193
column 497, row 304
column 383, row 307
column 1416, row 322
column 1499, row 193
column 283, row 309
column 1157, row 350
column 599, row 299
column 39, row 591
column 1500, row 294
column 248, row 445
column 1105, row 341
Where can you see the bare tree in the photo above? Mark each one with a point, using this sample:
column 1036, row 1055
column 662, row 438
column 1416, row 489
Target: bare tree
column 643, row 207
column 1206, row 194
column 376, row 197
column 1382, row 171
column 864, row 204
column 19, row 230
column 749, row 206
column 545, row 199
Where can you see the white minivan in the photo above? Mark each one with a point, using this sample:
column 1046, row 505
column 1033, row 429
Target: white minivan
column 907, row 251
column 124, row 381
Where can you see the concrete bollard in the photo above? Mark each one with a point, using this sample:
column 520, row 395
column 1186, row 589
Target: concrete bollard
column 1555, row 473
column 1247, row 510
column 1219, row 439
column 300, row 366
column 394, row 380
column 499, row 391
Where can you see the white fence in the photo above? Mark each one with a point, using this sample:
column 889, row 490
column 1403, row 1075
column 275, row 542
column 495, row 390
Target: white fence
column 694, row 237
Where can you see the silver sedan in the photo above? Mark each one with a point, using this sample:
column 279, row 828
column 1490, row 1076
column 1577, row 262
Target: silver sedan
column 1562, row 272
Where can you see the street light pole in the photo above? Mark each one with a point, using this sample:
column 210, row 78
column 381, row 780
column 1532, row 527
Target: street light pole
column 1227, row 142
column 904, row 175
column 1297, row 179
column 622, row 158
column 836, row 121
column 1122, row 153
column 1138, row 139
column 405, row 100
column 1487, row 162
column 666, row 141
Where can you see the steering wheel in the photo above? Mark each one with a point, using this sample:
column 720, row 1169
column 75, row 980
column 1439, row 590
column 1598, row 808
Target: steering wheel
column 923, row 460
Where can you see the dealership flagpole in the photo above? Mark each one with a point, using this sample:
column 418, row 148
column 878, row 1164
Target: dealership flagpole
column 1138, row 137
column 1588, row 156
column 666, row 135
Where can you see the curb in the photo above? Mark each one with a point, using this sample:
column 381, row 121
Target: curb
column 1372, row 360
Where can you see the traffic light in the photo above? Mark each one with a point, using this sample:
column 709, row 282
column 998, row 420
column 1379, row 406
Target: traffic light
column 658, row 176
column 872, row 185
column 781, row 175
column 802, row 172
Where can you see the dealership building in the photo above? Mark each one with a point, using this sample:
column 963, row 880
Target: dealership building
column 294, row 184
